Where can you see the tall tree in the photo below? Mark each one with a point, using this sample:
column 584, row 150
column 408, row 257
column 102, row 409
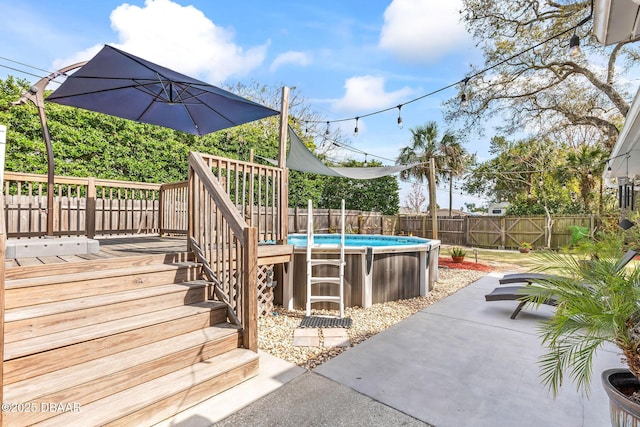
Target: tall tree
column 545, row 89
column 416, row 200
column 449, row 156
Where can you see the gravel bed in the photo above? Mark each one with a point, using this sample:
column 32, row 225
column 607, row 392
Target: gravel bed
column 275, row 334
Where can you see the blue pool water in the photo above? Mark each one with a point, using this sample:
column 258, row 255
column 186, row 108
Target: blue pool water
column 356, row 240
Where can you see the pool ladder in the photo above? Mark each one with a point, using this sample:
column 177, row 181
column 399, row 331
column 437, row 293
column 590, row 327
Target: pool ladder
column 314, row 262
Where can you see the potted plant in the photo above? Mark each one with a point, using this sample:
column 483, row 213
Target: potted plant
column 525, row 247
column 457, row 254
column 598, row 303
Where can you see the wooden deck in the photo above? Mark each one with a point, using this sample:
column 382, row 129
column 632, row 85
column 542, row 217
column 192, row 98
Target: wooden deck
column 147, row 245
column 113, row 248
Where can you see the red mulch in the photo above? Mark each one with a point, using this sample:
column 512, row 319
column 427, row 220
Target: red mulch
column 465, row 265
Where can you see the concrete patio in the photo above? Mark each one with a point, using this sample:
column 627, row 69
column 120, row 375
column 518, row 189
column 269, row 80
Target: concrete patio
column 460, row 362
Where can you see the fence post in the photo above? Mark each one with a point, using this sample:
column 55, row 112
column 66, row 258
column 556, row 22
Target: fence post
column 90, row 215
column 503, row 232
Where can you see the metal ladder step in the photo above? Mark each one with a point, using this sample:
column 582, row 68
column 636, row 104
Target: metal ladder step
column 314, row 262
column 335, row 280
column 317, row 261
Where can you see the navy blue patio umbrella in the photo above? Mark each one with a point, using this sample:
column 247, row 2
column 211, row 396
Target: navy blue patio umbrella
column 117, row 83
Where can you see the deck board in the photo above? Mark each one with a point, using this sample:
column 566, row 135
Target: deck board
column 112, row 248
column 145, row 245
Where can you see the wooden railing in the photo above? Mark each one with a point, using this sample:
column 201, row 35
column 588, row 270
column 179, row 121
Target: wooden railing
column 255, row 191
column 92, row 207
column 227, row 244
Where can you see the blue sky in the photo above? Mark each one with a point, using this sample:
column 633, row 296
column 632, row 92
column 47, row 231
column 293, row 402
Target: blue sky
column 346, row 58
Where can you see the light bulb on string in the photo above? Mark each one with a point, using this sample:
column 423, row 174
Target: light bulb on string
column 399, row 116
column 589, row 175
column 464, row 101
column 365, row 159
column 306, row 128
column 574, row 45
column 327, row 131
column 355, row 131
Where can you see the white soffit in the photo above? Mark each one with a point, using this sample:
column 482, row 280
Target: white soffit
column 626, row 153
column 615, row 20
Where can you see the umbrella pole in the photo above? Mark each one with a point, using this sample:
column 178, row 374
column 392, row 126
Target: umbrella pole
column 35, row 94
column 50, row 170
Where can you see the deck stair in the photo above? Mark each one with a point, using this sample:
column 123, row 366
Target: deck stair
column 315, row 293
column 126, row 341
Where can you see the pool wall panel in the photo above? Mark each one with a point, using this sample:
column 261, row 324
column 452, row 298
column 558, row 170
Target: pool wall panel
column 395, row 276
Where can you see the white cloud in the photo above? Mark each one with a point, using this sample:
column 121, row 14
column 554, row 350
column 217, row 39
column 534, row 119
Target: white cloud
column 181, row 38
column 422, row 31
column 367, row 93
column 290, row 57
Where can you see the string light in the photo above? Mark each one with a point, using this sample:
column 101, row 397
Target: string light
column 355, row 131
column 574, row 45
column 327, row 131
column 399, row 116
column 464, row 102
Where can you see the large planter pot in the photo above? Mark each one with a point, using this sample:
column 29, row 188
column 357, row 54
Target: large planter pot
column 524, row 250
column 457, row 258
column 620, row 383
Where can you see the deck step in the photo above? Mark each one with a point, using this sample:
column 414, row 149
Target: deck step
column 47, row 353
column 163, row 397
column 32, row 321
column 40, row 290
column 95, row 379
column 44, row 270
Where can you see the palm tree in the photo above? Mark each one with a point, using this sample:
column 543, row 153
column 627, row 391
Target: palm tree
column 449, row 155
column 587, row 165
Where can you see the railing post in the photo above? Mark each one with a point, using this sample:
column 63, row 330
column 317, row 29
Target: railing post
column 90, row 219
column 282, row 163
column 190, row 195
column 161, row 209
column 250, row 289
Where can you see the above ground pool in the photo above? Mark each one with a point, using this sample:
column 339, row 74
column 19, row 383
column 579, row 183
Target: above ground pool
column 356, row 240
column 378, row 268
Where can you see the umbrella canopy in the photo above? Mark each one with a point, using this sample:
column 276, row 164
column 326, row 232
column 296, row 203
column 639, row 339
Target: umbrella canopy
column 120, row 84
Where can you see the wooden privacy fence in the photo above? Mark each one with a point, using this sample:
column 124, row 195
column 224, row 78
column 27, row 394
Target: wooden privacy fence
column 480, row 231
column 498, row 231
